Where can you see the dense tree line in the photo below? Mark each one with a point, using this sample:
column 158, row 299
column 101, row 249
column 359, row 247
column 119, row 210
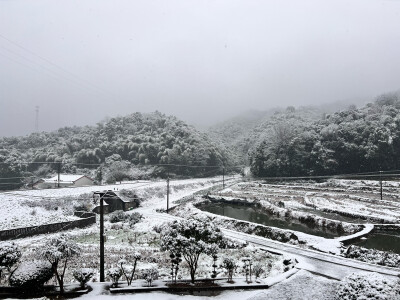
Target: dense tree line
column 283, row 142
column 350, row 141
column 119, row 144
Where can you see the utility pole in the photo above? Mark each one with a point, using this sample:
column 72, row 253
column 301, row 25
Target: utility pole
column 58, row 171
column 37, row 119
column 168, row 191
column 380, row 182
column 223, row 177
column 101, row 239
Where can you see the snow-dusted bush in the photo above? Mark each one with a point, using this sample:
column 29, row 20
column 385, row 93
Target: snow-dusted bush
column 191, row 238
column 230, row 265
column 9, row 255
column 121, row 216
column 31, row 275
column 58, row 251
column 258, row 269
column 176, row 259
column 213, row 252
column 149, row 275
column 128, row 270
column 117, row 216
column 134, row 218
column 288, row 264
column 373, row 256
column 83, row 275
column 247, row 267
column 372, row 286
column 114, row 274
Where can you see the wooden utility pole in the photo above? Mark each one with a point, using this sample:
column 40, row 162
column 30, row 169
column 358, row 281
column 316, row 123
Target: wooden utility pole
column 101, row 239
column 380, row 183
column 223, row 177
column 58, row 172
column 168, row 191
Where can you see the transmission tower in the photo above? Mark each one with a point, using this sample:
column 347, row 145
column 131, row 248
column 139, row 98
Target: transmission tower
column 37, row 119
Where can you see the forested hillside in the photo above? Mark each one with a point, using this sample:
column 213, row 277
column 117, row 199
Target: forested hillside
column 281, row 142
column 115, row 149
column 244, row 132
column 350, row 141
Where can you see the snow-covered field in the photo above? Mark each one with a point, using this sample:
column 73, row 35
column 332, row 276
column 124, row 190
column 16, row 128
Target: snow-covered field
column 347, row 197
column 37, row 207
column 122, row 240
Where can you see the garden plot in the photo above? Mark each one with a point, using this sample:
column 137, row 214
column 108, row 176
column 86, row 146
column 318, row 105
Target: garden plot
column 15, row 213
column 122, row 240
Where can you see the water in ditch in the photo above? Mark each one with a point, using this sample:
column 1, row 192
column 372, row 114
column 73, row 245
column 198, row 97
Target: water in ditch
column 252, row 214
column 335, row 216
column 381, row 241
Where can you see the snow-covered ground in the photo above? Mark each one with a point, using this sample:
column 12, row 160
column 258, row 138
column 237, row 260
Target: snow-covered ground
column 359, row 198
column 36, row 207
column 303, row 285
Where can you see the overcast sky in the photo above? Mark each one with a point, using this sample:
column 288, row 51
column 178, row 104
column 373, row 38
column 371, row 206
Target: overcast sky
column 83, row 60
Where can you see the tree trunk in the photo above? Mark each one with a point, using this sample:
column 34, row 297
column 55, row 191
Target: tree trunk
column 192, row 272
column 61, row 287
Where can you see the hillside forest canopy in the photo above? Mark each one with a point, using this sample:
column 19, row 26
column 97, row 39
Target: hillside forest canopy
column 350, row 141
column 131, row 147
column 304, row 141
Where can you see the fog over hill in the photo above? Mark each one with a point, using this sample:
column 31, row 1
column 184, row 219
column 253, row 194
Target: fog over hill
column 202, row 61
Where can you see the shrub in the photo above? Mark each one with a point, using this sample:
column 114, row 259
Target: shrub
column 149, row 275
column 83, row 276
column 230, row 265
column 129, row 270
column 110, row 179
column 82, row 207
column 191, row 237
column 117, row 216
column 114, row 274
column 9, row 255
column 365, row 286
column 31, row 275
column 57, row 252
column 134, row 218
column 258, row 269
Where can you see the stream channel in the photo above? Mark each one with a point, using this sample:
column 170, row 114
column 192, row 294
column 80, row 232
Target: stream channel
column 252, row 214
column 246, row 212
column 381, row 241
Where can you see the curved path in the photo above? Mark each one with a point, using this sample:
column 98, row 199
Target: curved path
column 323, row 264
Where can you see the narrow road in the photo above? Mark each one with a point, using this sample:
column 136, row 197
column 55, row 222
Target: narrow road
column 323, row 264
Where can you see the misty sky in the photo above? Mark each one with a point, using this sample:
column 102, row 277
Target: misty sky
column 84, row 60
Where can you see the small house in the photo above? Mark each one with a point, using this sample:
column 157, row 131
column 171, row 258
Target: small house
column 65, row 181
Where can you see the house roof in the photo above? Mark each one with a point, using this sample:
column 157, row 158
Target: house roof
column 66, row 178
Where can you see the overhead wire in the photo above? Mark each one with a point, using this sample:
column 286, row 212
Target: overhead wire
column 74, row 78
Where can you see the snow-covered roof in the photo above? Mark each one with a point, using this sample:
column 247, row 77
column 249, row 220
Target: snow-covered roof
column 65, row 178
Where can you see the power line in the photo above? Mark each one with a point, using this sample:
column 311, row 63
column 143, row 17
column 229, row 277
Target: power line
column 18, row 177
column 75, row 79
column 152, row 165
column 342, row 176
